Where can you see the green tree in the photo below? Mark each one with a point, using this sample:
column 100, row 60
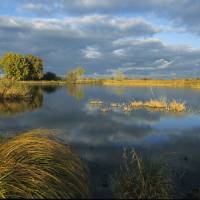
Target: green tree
column 15, row 66
column 21, row 67
column 36, row 67
column 119, row 75
column 75, row 74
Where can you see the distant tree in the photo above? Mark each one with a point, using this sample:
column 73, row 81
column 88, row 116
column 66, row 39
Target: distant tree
column 75, row 74
column 119, row 75
column 21, row 67
column 50, row 76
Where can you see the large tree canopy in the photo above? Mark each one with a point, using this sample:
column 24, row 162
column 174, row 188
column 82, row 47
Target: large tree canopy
column 21, row 67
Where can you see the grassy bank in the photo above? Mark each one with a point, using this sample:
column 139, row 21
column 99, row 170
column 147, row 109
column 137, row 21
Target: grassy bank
column 177, row 83
column 42, row 82
column 14, row 91
column 188, row 83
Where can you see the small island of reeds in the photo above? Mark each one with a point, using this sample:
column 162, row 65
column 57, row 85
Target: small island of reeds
column 154, row 105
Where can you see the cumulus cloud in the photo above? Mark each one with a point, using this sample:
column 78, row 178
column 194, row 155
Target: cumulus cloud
column 100, row 43
column 184, row 13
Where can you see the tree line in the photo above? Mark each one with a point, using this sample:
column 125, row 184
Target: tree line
column 22, row 67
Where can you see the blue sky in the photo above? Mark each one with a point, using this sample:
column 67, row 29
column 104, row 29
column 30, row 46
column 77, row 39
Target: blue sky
column 146, row 38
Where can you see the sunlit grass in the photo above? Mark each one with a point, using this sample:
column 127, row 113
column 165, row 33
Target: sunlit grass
column 152, row 105
column 137, row 104
column 35, row 165
column 140, row 179
column 175, row 106
column 14, row 91
column 189, row 83
column 95, row 102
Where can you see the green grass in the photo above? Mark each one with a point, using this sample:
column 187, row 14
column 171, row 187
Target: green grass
column 141, row 179
column 36, row 165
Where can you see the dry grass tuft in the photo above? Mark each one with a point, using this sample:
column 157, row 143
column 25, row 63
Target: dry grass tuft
column 175, row 106
column 35, row 165
column 158, row 104
column 96, row 102
column 138, row 179
column 137, row 104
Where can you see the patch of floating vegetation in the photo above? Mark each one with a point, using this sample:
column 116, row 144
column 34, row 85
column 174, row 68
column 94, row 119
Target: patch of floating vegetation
column 151, row 105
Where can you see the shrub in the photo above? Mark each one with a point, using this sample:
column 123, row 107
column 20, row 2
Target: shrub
column 35, row 165
column 50, row 76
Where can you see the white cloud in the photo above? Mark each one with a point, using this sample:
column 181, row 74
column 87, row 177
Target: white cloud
column 91, row 53
column 119, row 53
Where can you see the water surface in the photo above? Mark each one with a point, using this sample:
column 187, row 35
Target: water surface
column 100, row 137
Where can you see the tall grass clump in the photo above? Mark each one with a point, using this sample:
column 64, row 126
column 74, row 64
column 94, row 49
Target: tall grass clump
column 14, row 91
column 157, row 104
column 139, row 179
column 175, row 106
column 35, row 165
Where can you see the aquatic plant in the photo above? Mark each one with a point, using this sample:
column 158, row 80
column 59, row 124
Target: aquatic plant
column 137, row 104
column 159, row 104
column 151, row 105
column 36, row 165
column 140, row 179
column 177, row 106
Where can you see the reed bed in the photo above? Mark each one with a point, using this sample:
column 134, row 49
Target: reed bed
column 140, row 179
column 35, row 165
column 14, row 91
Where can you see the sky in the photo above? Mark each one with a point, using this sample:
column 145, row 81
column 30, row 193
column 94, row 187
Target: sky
column 145, row 38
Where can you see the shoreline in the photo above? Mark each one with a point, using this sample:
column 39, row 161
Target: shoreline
column 175, row 83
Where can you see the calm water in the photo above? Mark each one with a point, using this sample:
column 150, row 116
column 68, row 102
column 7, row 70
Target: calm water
column 100, row 137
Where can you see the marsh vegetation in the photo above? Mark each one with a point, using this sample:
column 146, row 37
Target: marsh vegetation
column 138, row 178
column 17, row 98
column 153, row 105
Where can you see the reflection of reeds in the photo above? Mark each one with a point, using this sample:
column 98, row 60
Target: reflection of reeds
column 138, row 179
column 34, row 165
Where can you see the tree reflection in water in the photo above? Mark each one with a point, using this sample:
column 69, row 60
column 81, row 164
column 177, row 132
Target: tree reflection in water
column 76, row 91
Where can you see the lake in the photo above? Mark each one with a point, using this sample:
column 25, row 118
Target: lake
column 100, row 137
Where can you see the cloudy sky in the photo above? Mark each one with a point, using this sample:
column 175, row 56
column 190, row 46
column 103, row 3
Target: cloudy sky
column 144, row 38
